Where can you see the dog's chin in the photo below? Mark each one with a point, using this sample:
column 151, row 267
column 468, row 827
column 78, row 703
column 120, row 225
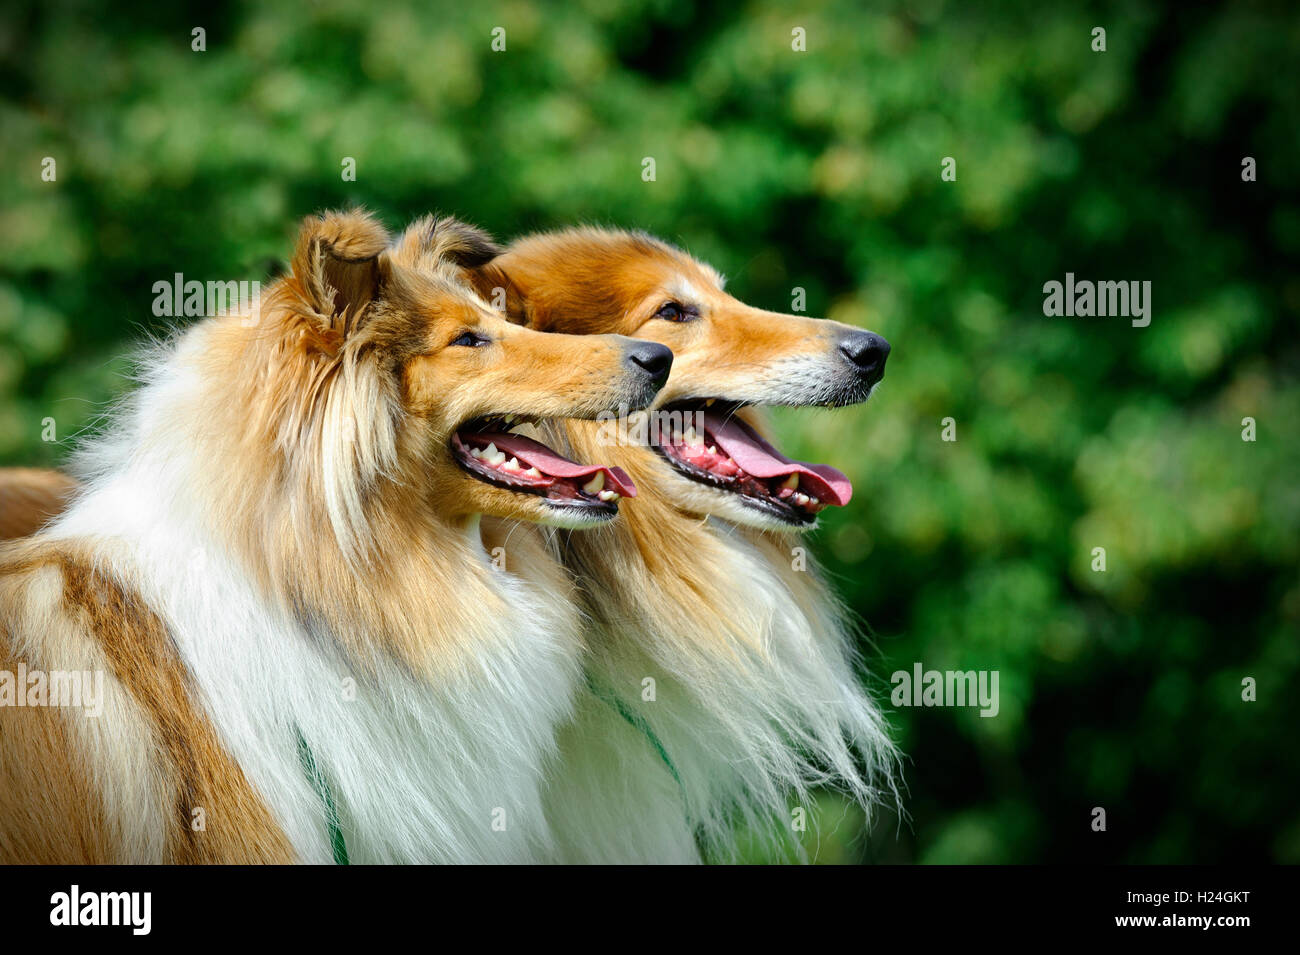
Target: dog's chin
column 573, row 517
column 535, row 508
column 733, row 507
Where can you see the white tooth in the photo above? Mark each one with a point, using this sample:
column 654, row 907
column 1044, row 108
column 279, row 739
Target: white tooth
column 800, row 499
column 595, row 485
column 713, row 449
column 533, row 472
column 792, row 482
column 475, row 453
column 608, row 495
column 511, row 465
column 492, row 456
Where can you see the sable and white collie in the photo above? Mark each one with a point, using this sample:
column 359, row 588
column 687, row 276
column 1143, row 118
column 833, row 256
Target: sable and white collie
column 721, row 673
column 275, row 573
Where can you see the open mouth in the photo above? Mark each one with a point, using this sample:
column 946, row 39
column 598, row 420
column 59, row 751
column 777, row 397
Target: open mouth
column 706, row 441
column 491, row 452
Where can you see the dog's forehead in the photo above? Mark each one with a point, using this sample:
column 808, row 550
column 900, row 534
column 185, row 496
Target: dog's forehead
column 687, row 288
column 675, row 272
column 624, row 263
column 439, row 293
column 690, row 279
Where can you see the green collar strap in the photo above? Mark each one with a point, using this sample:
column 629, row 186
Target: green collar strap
column 323, row 792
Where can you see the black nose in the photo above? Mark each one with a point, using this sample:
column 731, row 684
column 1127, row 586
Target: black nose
column 652, row 359
column 868, row 352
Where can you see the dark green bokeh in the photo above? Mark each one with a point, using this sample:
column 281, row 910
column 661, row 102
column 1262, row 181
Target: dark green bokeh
column 818, row 170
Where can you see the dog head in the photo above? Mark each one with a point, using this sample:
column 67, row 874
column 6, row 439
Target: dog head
column 409, row 380
column 728, row 358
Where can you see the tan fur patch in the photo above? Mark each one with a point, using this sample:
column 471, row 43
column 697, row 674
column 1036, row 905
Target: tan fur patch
column 29, row 497
column 50, row 812
column 239, row 827
column 56, row 777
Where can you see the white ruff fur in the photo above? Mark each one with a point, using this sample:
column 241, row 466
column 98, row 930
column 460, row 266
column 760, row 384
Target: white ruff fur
column 418, row 763
column 749, row 720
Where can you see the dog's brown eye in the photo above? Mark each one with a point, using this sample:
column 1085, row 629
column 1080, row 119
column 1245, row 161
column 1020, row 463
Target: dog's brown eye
column 673, row 312
column 469, row 339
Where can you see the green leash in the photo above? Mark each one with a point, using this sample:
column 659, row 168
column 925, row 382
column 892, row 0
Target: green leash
column 322, row 787
column 638, row 723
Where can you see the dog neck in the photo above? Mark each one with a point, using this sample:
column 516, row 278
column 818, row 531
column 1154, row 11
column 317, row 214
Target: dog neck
column 753, row 660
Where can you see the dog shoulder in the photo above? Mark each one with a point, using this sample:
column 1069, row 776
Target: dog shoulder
column 106, row 754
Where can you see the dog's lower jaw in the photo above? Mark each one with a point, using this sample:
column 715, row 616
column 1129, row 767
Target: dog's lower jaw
column 576, row 517
column 705, row 501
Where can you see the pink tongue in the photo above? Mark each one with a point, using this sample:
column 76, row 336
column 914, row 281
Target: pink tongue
column 537, row 455
column 757, row 457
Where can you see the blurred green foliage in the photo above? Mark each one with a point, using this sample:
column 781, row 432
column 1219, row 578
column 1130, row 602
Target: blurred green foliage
column 821, row 170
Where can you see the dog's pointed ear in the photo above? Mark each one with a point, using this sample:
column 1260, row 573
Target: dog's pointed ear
column 339, row 264
column 461, row 243
column 434, row 240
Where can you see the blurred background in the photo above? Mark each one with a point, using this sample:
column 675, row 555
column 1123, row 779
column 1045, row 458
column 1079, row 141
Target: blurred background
column 818, row 170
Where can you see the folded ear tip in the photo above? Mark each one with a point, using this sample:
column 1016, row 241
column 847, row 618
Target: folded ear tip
column 349, row 234
column 466, row 245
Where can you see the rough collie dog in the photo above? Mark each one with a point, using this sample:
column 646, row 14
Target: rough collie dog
column 272, row 595
column 721, row 677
